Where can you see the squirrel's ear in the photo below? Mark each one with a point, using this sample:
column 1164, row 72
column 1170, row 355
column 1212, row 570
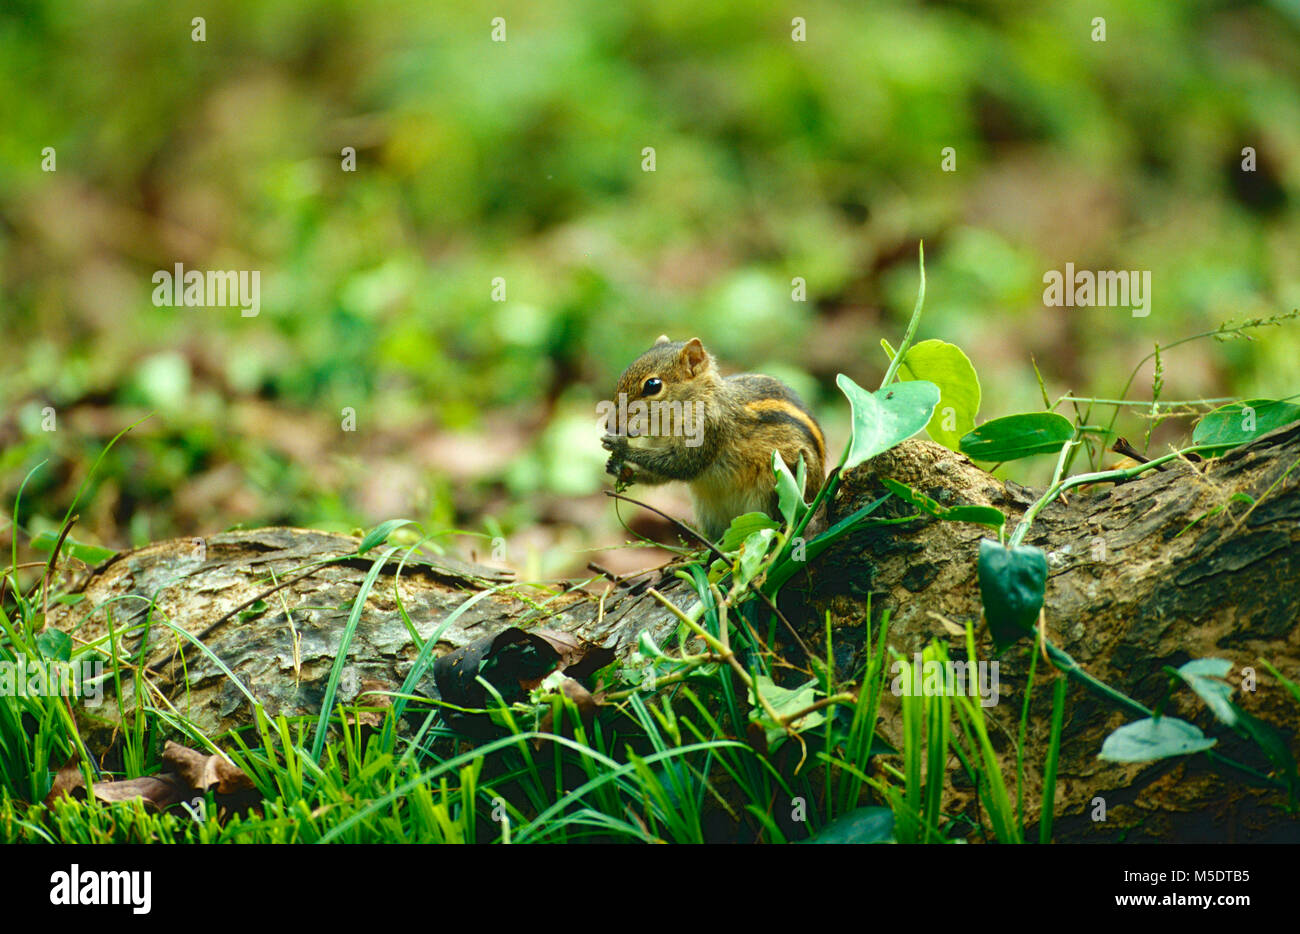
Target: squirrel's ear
column 694, row 357
column 662, row 339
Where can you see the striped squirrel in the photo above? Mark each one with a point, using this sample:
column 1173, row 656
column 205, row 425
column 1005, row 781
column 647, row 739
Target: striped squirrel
column 677, row 418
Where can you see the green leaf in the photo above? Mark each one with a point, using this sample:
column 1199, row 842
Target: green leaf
column 1015, row 436
column 742, row 527
column 846, row 525
column 1239, row 422
column 786, row 566
column 1204, row 676
column 1287, row 683
column 341, row 653
column 1273, row 744
column 379, row 534
column 1151, row 739
column 948, row 368
column 883, row 418
column 1012, row 584
column 55, row 644
column 785, row 702
column 645, row 646
column 91, row 554
column 789, row 489
column 752, row 554
column 981, row 515
column 257, row 608
column 861, row 825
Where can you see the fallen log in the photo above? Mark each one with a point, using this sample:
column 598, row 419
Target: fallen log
column 1156, row 571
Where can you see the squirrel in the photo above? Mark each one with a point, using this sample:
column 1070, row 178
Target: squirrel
column 677, row 418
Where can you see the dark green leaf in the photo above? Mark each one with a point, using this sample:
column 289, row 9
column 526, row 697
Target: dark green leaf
column 1273, row 744
column 1012, row 584
column 1015, row 436
column 1151, row 739
column 863, row 825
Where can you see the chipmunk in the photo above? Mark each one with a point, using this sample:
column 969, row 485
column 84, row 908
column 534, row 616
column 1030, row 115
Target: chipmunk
column 687, row 422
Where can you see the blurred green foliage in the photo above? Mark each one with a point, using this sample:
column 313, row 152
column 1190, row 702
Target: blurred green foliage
column 522, row 159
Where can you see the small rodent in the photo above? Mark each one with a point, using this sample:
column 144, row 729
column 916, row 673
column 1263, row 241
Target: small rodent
column 716, row 434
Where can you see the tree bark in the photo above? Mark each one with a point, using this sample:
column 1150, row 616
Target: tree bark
column 1153, row 572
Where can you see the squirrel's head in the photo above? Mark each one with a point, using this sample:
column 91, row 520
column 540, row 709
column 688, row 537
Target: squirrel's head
column 670, row 371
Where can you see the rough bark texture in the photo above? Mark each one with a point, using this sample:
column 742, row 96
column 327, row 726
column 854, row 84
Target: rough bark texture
column 225, row 590
column 1145, row 574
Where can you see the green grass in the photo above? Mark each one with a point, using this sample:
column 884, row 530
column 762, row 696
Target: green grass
column 676, row 762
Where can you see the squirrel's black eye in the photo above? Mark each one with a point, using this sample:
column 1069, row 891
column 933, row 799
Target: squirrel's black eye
column 652, row 386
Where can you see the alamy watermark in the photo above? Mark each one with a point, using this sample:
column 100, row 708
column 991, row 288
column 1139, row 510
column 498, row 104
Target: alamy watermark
column 934, row 678
column 76, row 886
column 44, row 677
column 656, row 418
column 1118, row 288
column 182, row 288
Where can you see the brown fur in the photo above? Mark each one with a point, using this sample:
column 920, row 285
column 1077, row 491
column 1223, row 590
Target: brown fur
column 745, row 418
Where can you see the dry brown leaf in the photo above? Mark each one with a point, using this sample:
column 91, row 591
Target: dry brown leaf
column 578, row 657
column 584, row 700
column 372, row 694
column 201, row 771
column 162, row 791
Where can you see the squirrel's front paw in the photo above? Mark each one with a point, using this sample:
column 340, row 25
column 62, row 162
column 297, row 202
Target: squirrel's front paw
column 616, row 466
column 622, row 473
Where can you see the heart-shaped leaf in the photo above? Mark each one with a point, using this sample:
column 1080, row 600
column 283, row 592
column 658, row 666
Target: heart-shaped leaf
column 1015, row 436
column 1151, row 739
column 1012, row 584
column 883, row 418
column 861, row 825
column 948, row 368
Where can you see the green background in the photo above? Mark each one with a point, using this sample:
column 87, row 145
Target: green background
column 522, row 159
